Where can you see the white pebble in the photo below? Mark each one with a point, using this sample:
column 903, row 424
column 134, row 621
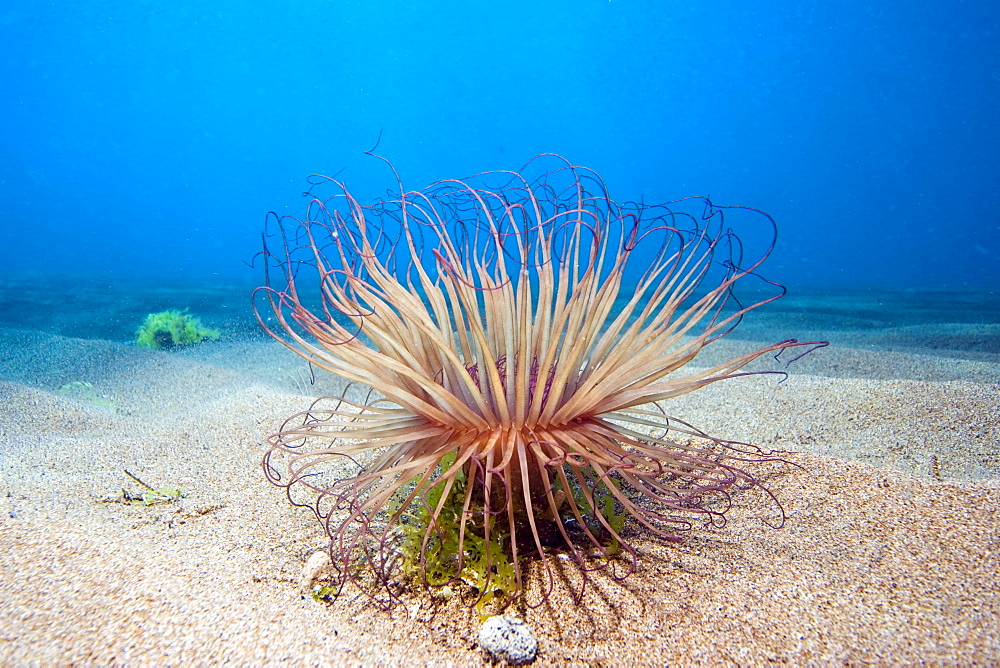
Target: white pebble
column 508, row 639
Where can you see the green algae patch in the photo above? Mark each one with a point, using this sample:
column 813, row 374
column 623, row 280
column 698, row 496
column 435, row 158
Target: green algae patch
column 172, row 329
column 444, row 553
column 81, row 390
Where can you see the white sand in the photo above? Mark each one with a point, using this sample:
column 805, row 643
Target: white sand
column 890, row 558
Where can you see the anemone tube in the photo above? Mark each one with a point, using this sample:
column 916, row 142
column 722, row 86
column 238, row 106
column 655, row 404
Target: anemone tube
column 523, row 335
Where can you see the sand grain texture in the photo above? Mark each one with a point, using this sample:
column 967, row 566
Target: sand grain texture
column 890, row 552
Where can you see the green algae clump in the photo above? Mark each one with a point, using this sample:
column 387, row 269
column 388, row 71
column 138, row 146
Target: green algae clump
column 81, row 390
column 436, row 550
column 172, row 329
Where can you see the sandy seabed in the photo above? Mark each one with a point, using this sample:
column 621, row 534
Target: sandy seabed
column 890, row 552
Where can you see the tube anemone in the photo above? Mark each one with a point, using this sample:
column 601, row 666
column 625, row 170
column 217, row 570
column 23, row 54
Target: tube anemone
column 511, row 342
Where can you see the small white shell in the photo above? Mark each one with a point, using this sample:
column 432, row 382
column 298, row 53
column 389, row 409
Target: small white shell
column 317, row 568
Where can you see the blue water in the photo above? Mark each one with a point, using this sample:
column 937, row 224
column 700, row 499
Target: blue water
column 150, row 139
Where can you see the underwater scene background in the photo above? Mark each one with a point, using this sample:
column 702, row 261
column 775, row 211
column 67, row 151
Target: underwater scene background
column 142, row 145
column 151, row 138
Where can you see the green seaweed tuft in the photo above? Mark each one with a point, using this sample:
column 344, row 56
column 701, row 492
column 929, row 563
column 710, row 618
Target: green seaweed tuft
column 172, row 329
column 482, row 564
column 602, row 513
column 81, row 390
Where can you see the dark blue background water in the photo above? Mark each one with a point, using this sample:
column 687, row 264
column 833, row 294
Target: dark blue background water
column 150, row 138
